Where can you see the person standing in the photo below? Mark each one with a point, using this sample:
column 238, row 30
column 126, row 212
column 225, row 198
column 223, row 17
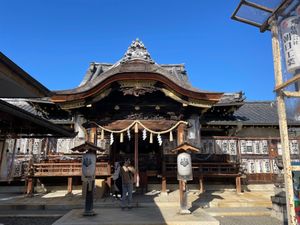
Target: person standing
column 117, row 180
column 127, row 174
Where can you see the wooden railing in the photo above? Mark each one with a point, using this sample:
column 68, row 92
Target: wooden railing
column 67, row 169
column 217, row 168
column 206, row 169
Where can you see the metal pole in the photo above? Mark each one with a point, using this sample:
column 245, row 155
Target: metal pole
column 283, row 129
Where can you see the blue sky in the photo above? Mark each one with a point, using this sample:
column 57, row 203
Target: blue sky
column 54, row 41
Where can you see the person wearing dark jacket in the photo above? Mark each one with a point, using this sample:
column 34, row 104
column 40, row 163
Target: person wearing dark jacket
column 127, row 174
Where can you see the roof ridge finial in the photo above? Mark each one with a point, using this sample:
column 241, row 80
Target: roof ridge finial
column 137, row 50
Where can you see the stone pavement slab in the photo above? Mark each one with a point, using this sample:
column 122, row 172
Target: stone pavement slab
column 248, row 220
column 137, row 216
column 58, row 201
column 239, row 211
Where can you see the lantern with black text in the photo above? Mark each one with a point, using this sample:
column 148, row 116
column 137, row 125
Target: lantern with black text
column 184, row 166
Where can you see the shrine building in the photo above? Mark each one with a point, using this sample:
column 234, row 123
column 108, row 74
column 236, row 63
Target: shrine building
column 142, row 110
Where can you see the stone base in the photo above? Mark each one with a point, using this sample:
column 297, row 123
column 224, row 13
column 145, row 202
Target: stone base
column 90, row 213
column 137, row 216
column 164, row 193
column 69, row 194
column 184, row 211
column 279, row 210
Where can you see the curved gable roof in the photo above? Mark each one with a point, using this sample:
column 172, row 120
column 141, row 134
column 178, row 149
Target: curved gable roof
column 135, row 65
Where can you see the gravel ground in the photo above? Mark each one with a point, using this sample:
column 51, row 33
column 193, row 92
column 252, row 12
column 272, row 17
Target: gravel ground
column 28, row 220
column 248, row 220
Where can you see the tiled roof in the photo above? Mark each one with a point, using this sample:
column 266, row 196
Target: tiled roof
column 251, row 113
column 137, row 50
column 236, row 98
column 98, row 72
column 25, row 105
column 258, row 113
column 25, row 120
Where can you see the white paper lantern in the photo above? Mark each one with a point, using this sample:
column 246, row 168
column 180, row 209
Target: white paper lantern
column 184, row 164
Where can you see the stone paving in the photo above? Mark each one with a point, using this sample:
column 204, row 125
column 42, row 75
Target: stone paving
column 28, row 220
column 248, row 220
column 137, row 216
column 227, row 206
column 220, row 199
column 253, row 220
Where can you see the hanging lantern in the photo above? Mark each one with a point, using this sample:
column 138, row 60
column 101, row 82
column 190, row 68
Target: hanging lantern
column 144, row 134
column 102, row 135
column 128, row 134
column 121, row 138
column 136, row 128
column 151, row 138
column 111, row 138
column 171, row 136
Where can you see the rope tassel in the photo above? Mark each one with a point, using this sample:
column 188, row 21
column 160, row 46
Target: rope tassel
column 144, row 134
column 102, row 135
column 136, row 128
column 121, row 138
column 111, row 138
column 128, row 134
column 159, row 140
column 151, row 138
column 171, row 136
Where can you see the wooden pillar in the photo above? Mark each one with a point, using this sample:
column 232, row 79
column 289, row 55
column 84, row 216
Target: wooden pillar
column 164, row 184
column 136, row 157
column 93, row 135
column 29, row 190
column 181, row 188
column 2, row 153
column 108, row 180
column 180, row 140
column 180, row 134
column 201, row 187
column 238, row 184
column 163, row 174
column 10, row 172
column 70, row 189
column 113, row 152
column 46, row 147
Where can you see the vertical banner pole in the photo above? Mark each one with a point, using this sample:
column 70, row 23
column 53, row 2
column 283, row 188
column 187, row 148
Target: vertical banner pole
column 283, row 128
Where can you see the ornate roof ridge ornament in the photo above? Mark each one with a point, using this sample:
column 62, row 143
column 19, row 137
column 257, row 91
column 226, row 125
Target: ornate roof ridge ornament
column 137, row 50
